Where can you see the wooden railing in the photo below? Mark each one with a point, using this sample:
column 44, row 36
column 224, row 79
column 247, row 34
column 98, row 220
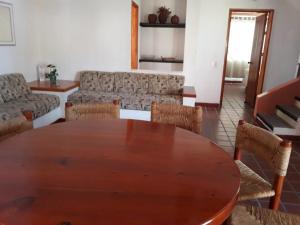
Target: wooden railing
column 282, row 95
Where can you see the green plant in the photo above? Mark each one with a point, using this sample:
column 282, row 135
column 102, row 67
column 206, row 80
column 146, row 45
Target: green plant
column 52, row 73
column 164, row 11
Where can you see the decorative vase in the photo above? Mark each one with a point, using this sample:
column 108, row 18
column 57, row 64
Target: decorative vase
column 152, row 18
column 175, row 19
column 163, row 18
column 52, row 80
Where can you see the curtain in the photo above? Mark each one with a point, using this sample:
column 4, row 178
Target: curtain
column 240, row 46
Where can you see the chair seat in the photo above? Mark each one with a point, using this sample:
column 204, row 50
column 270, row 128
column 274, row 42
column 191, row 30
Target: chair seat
column 253, row 186
column 250, row 215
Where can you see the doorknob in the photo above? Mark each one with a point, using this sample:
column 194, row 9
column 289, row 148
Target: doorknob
column 250, row 62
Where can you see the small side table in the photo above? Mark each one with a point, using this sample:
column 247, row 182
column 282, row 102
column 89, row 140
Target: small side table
column 63, row 89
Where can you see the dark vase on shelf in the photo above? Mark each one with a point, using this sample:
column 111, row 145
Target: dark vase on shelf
column 163, row 18
column 152, row 18
column 175, row 19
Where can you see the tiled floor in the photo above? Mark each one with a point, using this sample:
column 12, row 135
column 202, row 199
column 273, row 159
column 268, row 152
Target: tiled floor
column 220, row 126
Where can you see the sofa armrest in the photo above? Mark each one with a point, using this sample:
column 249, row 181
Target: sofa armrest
column 28, row 115
column 189, row 92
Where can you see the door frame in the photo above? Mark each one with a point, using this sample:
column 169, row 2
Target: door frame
column 134, row 5
column 260, row 82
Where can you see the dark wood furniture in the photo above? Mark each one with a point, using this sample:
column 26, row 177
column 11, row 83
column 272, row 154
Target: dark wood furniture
column 115, row 172
column 166, row 25
column 156, row 60
column 62, row 86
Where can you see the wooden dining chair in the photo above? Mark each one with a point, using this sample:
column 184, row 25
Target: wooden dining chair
column 250, row 215
column 14, row 126
column 273, row 150
column 185, row 117
column 95, row 111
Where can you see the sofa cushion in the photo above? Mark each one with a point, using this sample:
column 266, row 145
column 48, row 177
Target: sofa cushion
column 8, row 114
column 143, row 83
column 143, row 102
column 84, row 96
column 97, row 81
column 5, row 90
column 1, row 99
column 39, row 104
column 13, row 86
column 125, row 83
column 166, row 84
column 128, row 100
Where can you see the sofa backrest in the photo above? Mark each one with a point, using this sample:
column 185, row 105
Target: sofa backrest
column 97, row 81
column 13, row 86
column 131, row 83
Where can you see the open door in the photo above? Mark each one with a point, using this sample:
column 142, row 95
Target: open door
column 134, row 35
column 256, row 59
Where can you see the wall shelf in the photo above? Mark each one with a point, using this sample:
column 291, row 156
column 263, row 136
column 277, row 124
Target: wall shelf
column 167, row 25
column 179, row 61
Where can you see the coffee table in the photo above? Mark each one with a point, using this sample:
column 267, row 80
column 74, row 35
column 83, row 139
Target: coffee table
column 117, row 172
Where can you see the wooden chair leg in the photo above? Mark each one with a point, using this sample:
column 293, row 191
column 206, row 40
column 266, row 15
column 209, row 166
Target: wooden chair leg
column 237, row 154
column 278, row 186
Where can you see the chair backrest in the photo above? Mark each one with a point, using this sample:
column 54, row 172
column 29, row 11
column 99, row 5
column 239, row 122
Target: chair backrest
column 14, row 126
column 186, row 117
column 263, row 144
column 99, row 111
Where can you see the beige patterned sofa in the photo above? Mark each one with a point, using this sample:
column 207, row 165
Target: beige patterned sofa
column 16, row 98
column 136, row 91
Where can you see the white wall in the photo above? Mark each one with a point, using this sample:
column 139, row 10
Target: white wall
column 24, row 56
column 166, row 42
column 78, row 35
column 95, row 34
column 206, row 39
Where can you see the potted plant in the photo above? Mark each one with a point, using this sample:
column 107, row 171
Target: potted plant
column 52, row 74
column 164, row 13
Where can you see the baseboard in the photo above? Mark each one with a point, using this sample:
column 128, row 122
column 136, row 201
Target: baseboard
column 209, row 105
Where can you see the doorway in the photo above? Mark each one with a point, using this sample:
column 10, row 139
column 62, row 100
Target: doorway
column 134, row 35
column 248, row 40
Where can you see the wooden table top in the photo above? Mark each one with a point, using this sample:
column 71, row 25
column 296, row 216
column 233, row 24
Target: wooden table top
column 62, row 85
column 118, row 172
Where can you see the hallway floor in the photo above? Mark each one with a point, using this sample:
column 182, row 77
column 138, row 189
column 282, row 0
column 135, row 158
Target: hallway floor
column 220, row 126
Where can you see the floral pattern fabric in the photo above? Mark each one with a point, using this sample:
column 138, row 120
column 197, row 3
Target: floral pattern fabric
column 38, row 104
column 17, row 97
column 136, row 91
column 128, row 100
column 13, row 86
column 122, row 82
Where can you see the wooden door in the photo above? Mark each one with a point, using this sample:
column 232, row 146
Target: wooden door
column 134, row 35
column 256, row 57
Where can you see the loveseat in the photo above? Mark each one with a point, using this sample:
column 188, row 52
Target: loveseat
column 16, row 98
column 135, row 91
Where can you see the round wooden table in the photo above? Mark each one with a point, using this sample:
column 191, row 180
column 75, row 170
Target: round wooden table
column 118, row 172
